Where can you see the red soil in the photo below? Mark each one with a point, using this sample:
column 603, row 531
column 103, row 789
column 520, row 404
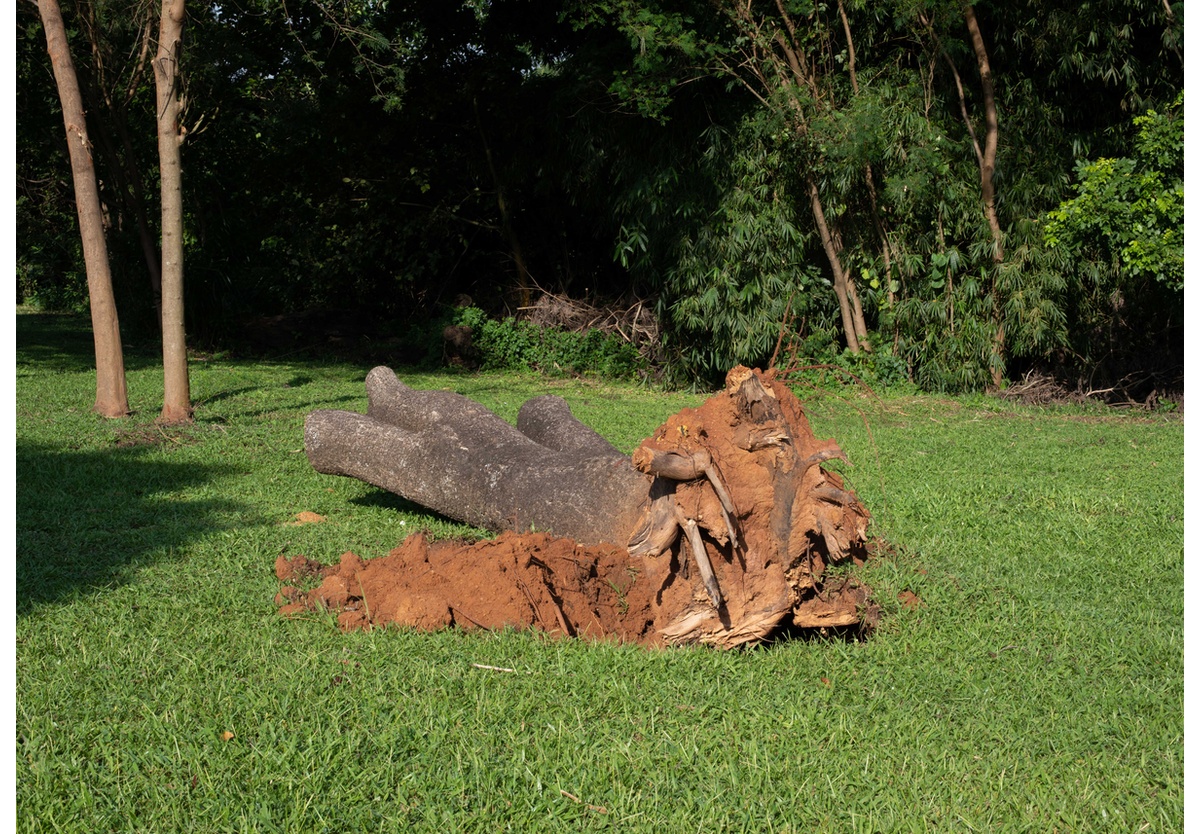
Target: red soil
column 531, row 580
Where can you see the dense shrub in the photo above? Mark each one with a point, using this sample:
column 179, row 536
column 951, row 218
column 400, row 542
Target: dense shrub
column 821, row 361
column 512, row 344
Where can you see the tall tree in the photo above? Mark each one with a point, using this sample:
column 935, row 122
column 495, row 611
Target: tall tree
column 111, row 397
column 782, row 61
column 177, row 407
column 987, row 177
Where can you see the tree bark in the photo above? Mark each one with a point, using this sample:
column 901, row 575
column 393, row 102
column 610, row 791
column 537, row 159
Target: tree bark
column 724, row 516
column 111, row 395
column 987, row 184
column 452, row 455
column 987, row 160
column 177, row 407
column 853, row 322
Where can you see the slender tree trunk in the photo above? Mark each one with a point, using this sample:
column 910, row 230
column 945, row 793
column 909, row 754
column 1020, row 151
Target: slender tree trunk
column 111, row 397
column 853, row 321
column 987, row 162
column 772, row 60
column 788, row 57
column 987, row 170
column 856, row 311
column 177, row 406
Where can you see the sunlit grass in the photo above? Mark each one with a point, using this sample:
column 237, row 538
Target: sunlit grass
column 1037, row 685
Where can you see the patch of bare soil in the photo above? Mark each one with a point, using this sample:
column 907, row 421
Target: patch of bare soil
column 529, row 580
column 521, row 581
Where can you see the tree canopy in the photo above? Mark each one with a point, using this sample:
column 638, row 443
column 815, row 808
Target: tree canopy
column 966, row 192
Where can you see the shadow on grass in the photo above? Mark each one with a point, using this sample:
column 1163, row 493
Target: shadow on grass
column 86, row 520
column 434, row 523
column 390, row 501
column 62, row 342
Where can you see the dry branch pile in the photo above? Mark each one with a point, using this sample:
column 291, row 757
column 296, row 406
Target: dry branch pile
column 633, row 322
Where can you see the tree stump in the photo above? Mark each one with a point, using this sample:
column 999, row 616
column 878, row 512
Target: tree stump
column 718, row 529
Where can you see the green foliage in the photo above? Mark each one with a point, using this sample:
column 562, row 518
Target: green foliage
column 948, row 335
column 1118, row 246
column 820, row 361
column 945, row 326
column 664, row 47
column 1129, row 210
column 357, row 155
column 742, row 271
column 50, row 273
column 510, row 344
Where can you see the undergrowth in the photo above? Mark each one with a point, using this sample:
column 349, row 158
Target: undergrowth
column 509, row 344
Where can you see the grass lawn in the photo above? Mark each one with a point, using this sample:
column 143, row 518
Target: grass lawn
column 1037, row 686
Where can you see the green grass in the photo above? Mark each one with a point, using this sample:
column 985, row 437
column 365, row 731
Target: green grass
column 1038, row 687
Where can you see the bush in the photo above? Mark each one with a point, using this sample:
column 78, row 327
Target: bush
column 510, row 344
column 820, row 361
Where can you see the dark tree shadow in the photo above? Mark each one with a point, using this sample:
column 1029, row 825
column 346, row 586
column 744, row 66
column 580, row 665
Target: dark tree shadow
column 390, row 501
column 88, row 520
column 63, row 342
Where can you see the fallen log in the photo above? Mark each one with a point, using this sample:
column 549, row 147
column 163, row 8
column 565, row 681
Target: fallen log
column 717, row 530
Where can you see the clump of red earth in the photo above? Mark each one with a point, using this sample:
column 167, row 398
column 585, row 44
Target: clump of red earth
column 528, row 580
column 522, row 581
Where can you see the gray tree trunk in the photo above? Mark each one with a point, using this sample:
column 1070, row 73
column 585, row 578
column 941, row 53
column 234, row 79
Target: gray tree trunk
column 450, row 454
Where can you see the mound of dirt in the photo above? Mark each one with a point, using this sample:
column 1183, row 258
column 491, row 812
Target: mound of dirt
column 522, row 581
column 530, row 580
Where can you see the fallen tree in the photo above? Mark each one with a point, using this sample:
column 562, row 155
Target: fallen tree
column 719, row 529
